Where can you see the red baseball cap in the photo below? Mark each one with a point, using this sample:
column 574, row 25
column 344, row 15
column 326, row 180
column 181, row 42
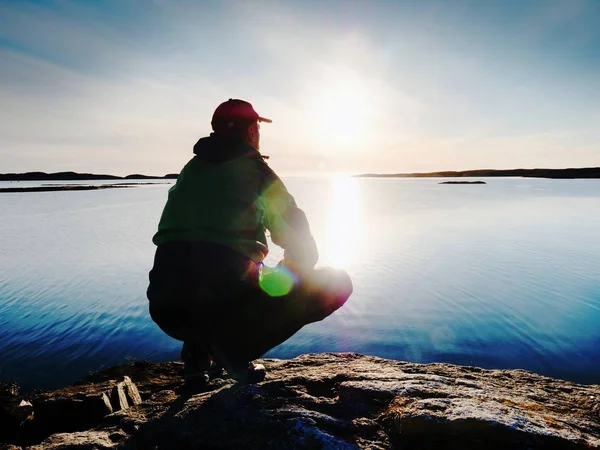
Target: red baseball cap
column 235, row 111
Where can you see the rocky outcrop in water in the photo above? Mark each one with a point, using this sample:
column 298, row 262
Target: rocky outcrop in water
column 462, row 182
column 327, row 401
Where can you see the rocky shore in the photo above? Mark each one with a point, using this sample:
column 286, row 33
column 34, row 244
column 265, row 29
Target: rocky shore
column 315, row 401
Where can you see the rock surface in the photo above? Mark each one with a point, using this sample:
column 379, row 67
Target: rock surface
column 81, row 407
column 331, row 401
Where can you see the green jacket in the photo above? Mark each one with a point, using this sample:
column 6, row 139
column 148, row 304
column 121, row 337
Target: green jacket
column 227, row 194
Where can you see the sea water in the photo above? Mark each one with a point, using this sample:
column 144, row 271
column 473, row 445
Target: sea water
column 501, row 275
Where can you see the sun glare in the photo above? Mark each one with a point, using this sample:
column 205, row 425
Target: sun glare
column 345, row 231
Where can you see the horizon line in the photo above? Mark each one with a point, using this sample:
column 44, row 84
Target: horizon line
column 366, row 174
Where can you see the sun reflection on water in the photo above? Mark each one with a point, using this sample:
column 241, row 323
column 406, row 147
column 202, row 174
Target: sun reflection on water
column 345, row 230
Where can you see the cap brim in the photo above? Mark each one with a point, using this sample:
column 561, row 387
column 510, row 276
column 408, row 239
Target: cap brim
column 264, row 119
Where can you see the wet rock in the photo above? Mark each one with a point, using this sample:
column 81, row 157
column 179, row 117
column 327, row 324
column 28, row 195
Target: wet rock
column 89, row 440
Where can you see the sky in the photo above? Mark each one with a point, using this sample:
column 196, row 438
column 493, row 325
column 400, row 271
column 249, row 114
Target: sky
column 128, row 86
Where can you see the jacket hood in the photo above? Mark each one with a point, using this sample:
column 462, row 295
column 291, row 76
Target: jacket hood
column 218, row 149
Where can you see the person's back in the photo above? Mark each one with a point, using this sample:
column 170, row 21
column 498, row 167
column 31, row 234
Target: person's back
column 211, row 241
column 215, row 198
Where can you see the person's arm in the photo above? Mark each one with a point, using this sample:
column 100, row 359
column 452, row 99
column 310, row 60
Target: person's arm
column 288, row 224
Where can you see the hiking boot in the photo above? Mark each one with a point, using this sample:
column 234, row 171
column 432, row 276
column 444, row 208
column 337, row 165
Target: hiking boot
column 196, row 378
column 196, row 363
column 195, row 372
column 251, row 374
column 215, row 371
column 245, row 373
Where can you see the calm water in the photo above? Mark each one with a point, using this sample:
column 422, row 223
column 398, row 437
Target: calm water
column 503, row 275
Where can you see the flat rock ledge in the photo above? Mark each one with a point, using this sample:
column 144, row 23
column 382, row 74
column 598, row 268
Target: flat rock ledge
column 315, row 401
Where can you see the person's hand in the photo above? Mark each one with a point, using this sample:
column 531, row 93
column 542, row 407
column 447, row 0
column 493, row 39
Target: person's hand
column 288, row 265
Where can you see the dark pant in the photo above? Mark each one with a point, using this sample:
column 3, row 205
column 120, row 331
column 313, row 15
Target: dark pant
column 207, row 295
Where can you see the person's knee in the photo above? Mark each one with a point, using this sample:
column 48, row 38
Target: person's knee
column 336, row 287
column 336, row 282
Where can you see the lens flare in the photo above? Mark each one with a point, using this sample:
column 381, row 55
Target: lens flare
column 276, row 281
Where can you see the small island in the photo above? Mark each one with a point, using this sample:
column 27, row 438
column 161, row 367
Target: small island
column 76, row 176
column 462, row 182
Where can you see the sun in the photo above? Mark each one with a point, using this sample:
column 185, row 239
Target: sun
column 343, row 110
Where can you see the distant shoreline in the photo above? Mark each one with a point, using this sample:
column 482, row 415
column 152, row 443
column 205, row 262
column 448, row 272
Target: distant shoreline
column 571, row 173
column 75, row 176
